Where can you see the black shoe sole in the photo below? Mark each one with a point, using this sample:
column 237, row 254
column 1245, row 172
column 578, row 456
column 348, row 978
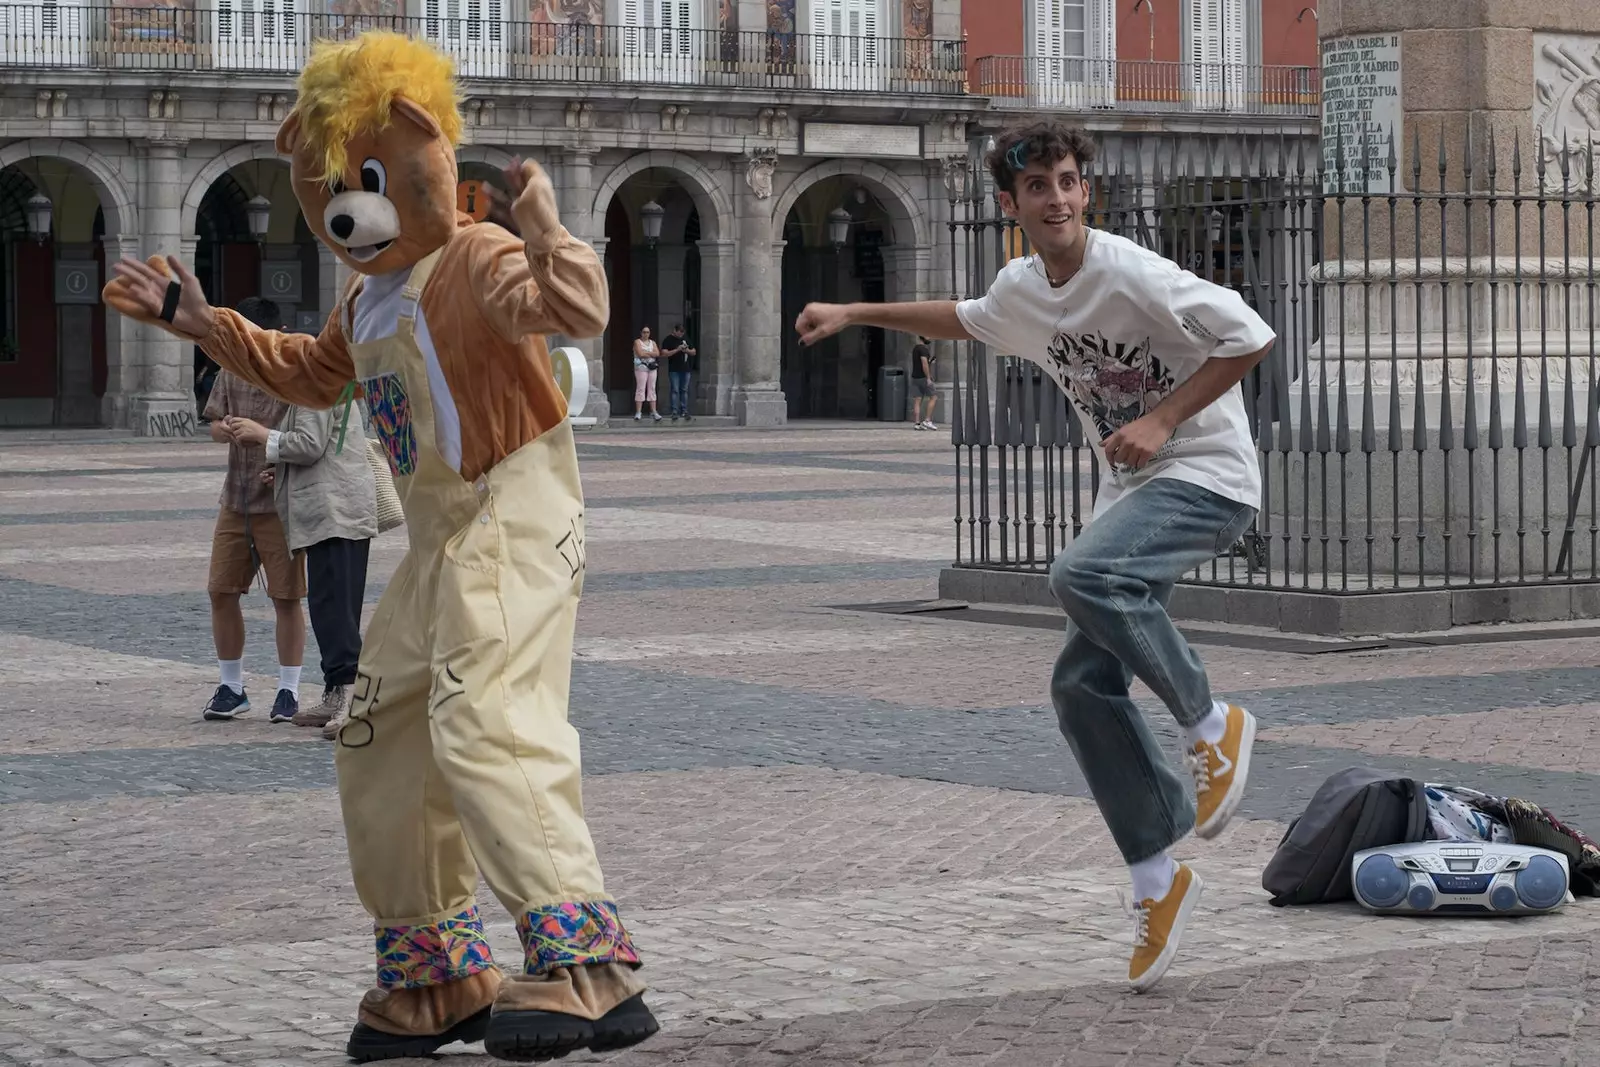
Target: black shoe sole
column 535, row 1036
column 367, row 1044
column 625, row 1025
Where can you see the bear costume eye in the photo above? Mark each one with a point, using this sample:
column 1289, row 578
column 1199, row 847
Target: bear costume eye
column 374, row 179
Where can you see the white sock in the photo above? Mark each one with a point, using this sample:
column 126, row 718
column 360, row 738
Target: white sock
column 1152, row 878
column 289, row 678
column 232, row 671
column 1211, row 728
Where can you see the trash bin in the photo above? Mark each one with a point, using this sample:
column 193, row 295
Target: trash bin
column 891, row 394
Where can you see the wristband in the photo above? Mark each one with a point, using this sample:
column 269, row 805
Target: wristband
column 170, row 306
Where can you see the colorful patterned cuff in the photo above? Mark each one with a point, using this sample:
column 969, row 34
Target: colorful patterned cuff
column 445, row 951
column 574, row 933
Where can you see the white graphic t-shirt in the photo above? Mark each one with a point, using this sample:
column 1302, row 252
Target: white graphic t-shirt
column 1126, row 330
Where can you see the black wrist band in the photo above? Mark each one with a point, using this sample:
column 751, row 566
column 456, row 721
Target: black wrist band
column 170, row 307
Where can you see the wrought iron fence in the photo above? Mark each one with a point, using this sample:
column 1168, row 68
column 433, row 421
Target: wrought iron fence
column 1149, row 85
column 1427, row 416
column 238, row 37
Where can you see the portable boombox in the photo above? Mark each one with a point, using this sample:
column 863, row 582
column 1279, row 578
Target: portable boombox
column 1459, row 878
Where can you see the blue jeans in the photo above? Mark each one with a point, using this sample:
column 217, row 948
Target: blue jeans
column 1114, row 582
column 678, row 402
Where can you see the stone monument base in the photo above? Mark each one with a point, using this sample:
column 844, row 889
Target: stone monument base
column 763, row 408
column 158, row 415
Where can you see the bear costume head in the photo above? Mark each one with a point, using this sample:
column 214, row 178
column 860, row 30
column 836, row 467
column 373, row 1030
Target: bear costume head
column 371, row 143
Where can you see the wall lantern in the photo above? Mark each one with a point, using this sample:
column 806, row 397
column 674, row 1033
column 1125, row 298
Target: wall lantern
column 838, row 226
column 651, row 214
column 39, row 212
column 259, row 210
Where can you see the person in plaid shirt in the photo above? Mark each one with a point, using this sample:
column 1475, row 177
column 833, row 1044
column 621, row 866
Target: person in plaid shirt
column 249, row 538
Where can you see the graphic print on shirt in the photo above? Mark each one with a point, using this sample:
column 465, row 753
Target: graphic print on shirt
column 391, row 417
column 1114, row 383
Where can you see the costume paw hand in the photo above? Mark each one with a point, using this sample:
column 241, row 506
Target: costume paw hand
column 141, row 292
column 534, row 205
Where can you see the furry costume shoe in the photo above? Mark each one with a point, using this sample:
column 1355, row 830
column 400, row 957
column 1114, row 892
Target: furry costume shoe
column 395, row 1023
column 599, row 1006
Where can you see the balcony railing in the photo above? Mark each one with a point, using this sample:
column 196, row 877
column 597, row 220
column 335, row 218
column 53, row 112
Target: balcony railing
column 1139, row 85
column 259, row 36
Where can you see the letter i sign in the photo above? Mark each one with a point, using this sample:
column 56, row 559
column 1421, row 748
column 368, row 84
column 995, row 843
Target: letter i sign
column 470, row 200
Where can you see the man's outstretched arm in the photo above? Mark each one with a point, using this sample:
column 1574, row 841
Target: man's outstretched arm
column 931, row 318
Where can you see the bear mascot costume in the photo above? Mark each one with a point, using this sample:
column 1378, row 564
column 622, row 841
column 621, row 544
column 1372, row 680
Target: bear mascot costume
column 457, row 756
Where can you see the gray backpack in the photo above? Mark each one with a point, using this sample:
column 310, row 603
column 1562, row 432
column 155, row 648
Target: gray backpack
column 1357, row 808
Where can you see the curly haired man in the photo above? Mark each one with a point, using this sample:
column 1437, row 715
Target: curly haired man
column 1151, row 357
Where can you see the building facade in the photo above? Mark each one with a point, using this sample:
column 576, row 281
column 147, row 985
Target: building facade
column 729, row 159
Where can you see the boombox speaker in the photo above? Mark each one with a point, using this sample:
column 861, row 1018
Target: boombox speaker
column 1459, row 878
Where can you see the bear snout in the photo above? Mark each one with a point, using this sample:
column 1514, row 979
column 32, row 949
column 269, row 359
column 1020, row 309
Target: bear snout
column 360, row 220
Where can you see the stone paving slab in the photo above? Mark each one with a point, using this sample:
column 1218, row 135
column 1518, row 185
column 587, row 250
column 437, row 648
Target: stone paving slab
column 818, row 948
column 773, row 784
column 1565, row 738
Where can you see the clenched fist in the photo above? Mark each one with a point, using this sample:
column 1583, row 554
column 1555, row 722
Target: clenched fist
column 533, row 205
column 140, row 290
column 818, row 321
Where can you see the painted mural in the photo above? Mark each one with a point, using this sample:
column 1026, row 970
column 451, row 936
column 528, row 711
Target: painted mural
column 781, row 31
column 350, row 17
column 728, row 25
column 566, row 27
column 152, row 25
column 569, row 12
column 916, row 22
column 373, row 9
column 917, row 19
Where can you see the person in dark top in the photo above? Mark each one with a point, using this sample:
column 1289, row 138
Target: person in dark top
column 680, row 365
column 922, row 384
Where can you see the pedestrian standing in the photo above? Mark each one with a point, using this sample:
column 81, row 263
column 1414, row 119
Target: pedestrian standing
column 249, row 539
column 681, row 359
column 327, row 498
column 646, row 354
column 1151, row 356
column 922, row 382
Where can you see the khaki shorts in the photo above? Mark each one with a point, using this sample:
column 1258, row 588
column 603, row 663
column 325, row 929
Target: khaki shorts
column 231, row 568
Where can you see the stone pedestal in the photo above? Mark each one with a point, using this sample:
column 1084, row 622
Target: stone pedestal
column 158, row 415
column 1441, row 415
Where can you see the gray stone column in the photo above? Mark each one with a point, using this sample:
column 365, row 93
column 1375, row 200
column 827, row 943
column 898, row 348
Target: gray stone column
column 758, row 396
column 332, row 277
column 161, row 406
column 124, row 343
column 719, row 334
column 573, row 176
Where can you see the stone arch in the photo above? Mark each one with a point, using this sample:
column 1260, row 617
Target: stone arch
column 189, row 219
column 116, row 201
column 910, row 221
column 498, row 158
column 716, row 209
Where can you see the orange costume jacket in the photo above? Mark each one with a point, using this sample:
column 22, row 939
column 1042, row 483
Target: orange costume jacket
column 487, row 305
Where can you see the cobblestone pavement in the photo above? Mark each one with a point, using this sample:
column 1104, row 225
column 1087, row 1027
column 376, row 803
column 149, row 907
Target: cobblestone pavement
column 842, row 836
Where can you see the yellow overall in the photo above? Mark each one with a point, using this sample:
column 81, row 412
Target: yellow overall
column 457, row 754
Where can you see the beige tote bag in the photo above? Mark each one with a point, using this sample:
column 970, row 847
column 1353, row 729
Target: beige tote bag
column 389, row 513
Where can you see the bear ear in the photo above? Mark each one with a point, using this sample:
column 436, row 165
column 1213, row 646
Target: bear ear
column 417, row 114
column 288, row 134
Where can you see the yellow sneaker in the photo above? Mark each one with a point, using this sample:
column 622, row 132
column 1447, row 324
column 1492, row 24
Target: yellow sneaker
column 1220, row 771
column 1158, row 926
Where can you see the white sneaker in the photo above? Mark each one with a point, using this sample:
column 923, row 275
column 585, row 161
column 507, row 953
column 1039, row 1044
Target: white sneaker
column 918, row 426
